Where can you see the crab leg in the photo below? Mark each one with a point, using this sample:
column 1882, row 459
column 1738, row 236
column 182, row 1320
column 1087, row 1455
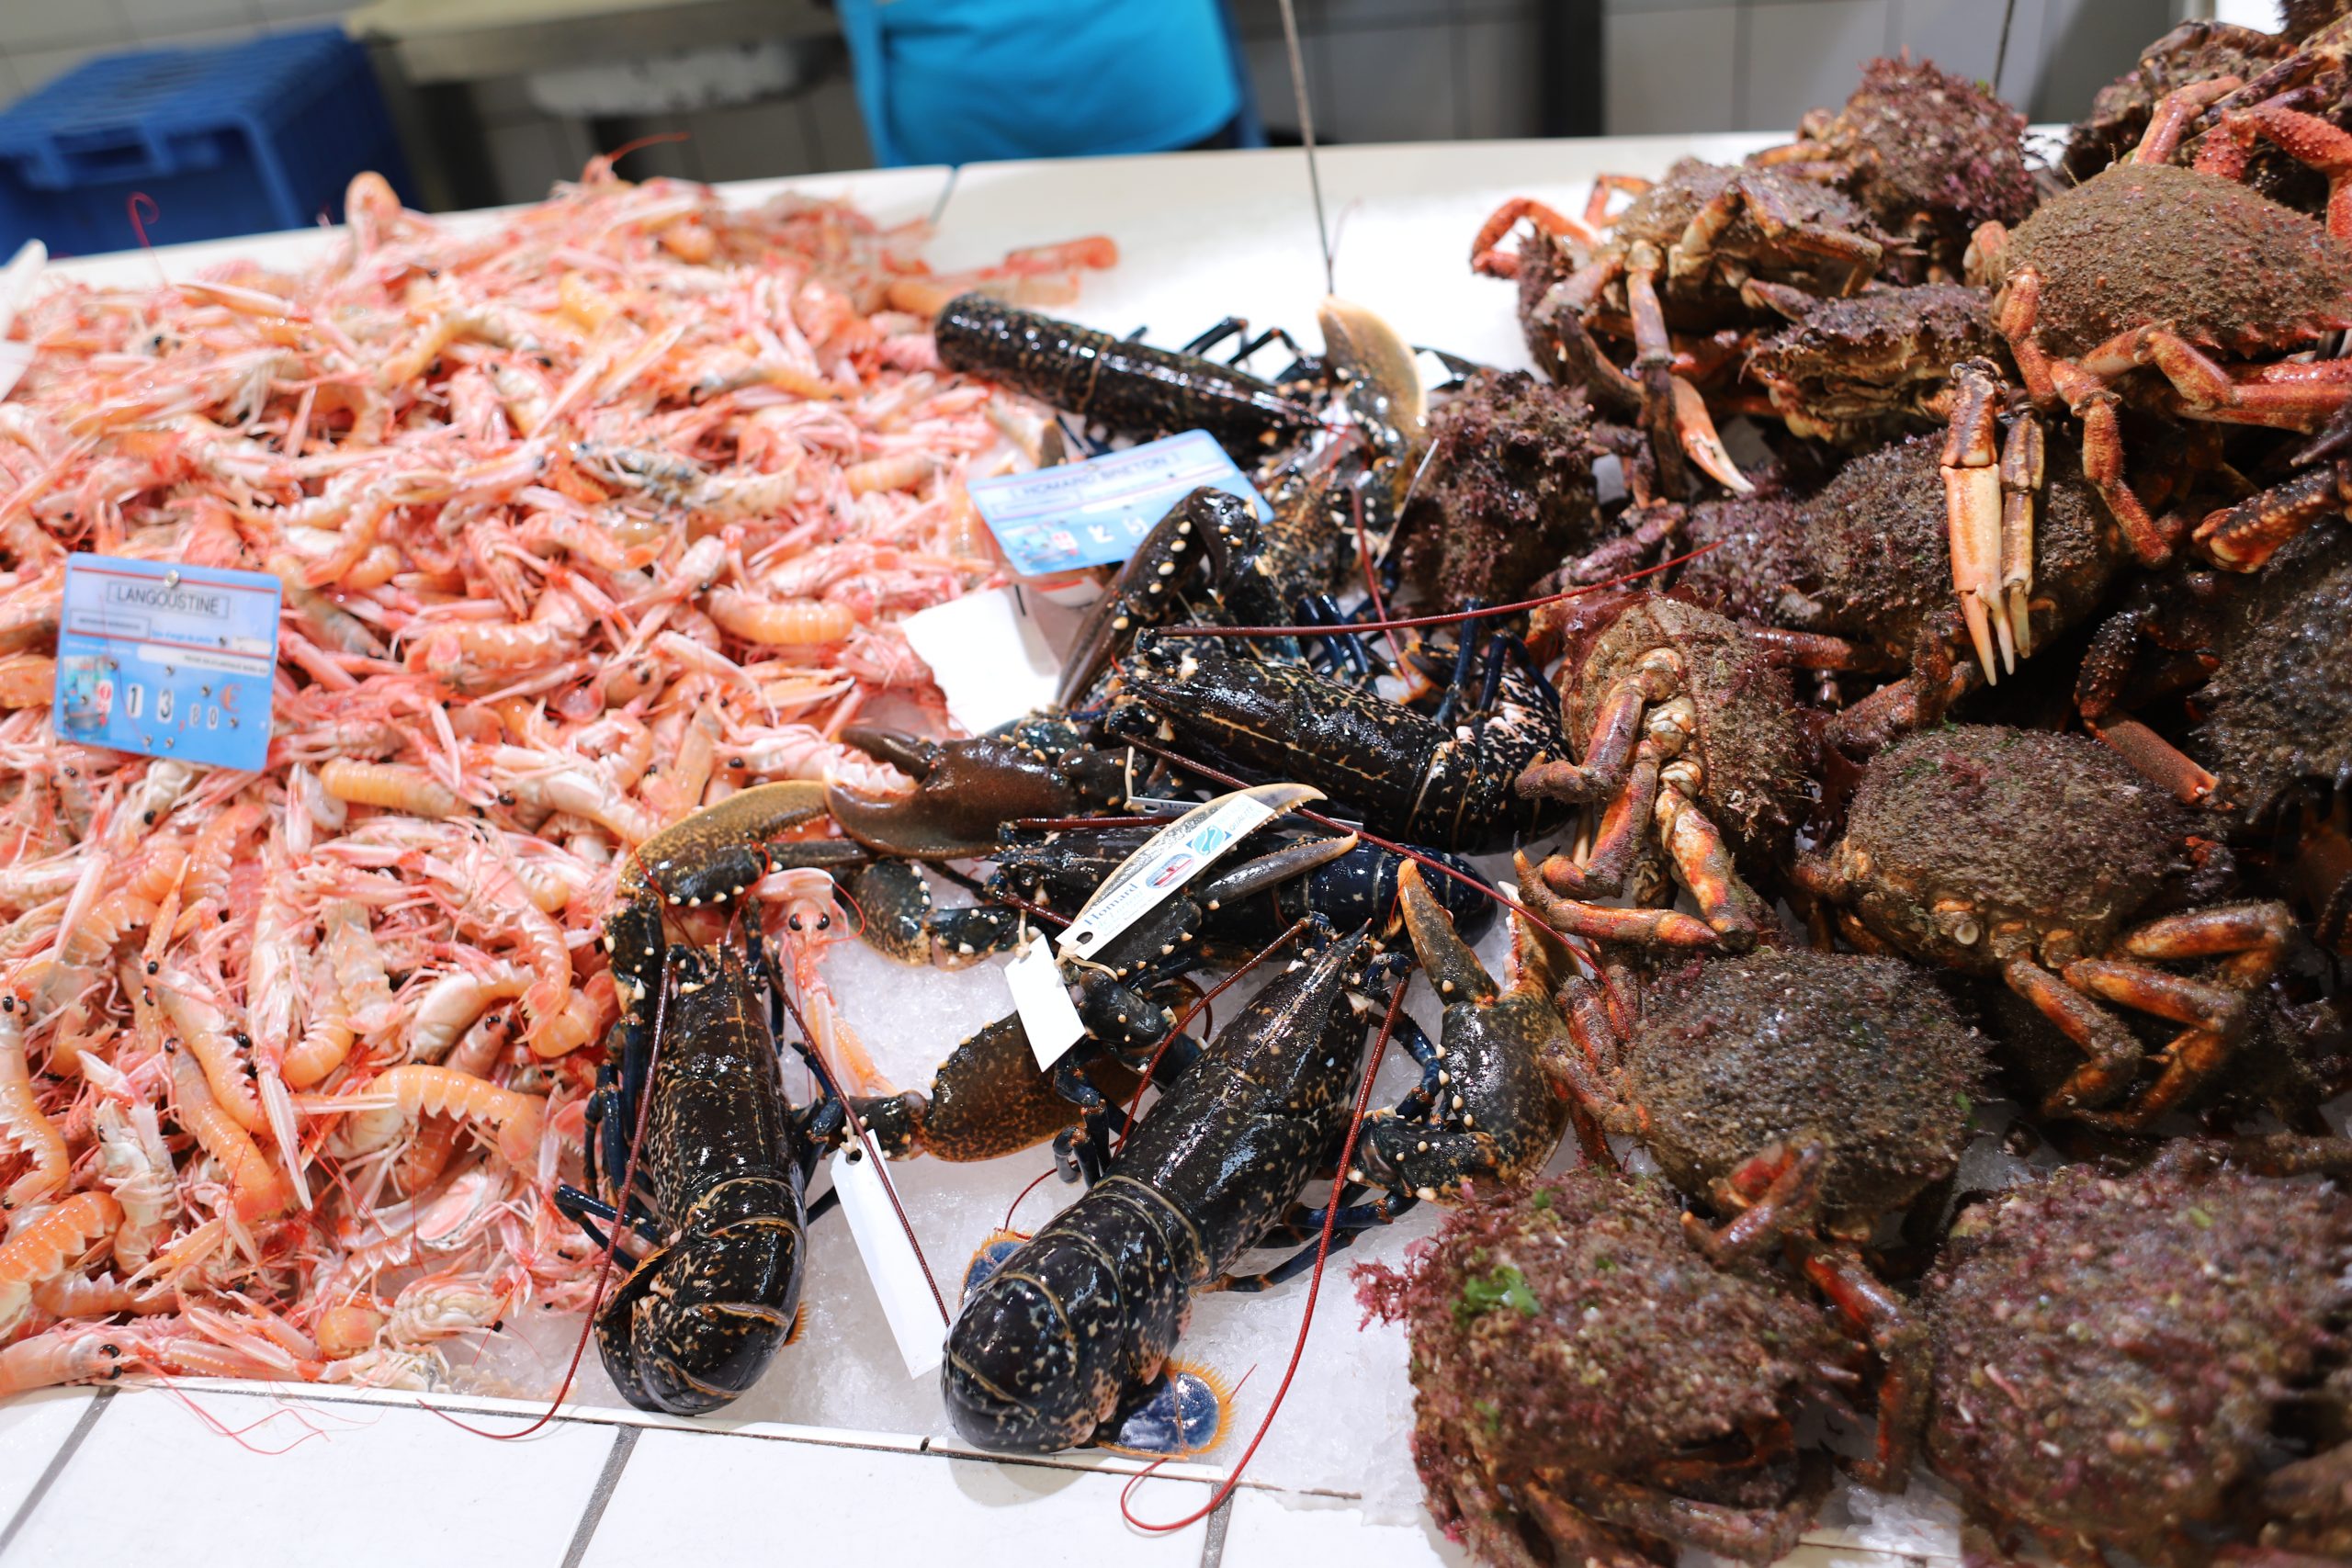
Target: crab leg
column 2113, row 1054
column 2021, row 482
column 2157, row 759
column 1902, row 1347
column 2170, row 121
column 1781, row 1190
column 2257, row 935
column 2243, row 537
column 2282, row 397
column 1494, row 263
column 1598, row 922
column 1615, row 728
column 1971, row 471
column 1617, row 842
column 1744, row 1535
column 1703, row 862
column 1671, row 406
column 1564, row 306
column 2310, row 141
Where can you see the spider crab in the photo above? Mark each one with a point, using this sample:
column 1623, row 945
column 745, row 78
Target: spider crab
column 1671, row 273
column 2037, row 858
column 1928, row 156
column 2153, row 268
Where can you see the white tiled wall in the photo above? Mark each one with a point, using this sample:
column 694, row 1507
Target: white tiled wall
column 1379, row 70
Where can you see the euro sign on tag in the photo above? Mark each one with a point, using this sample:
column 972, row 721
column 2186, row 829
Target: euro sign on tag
column 1042, row 999
column 890, row 1261
column 1170, row 858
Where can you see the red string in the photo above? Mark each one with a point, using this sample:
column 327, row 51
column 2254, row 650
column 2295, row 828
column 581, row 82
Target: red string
column 1023, row 1194
column 1306, row 1318
column 604, row 1269
column 1446, row 620
column 865, row 1140
column 138, row 225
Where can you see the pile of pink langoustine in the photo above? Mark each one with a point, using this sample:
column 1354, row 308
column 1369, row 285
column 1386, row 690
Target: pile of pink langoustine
column 586, row 515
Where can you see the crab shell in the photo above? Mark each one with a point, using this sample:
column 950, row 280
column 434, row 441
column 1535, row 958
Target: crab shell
column 2278, row 709
column 1869, row 557
column 1746, row 741
column 2106, row 1354
column 1858, row 370
column 1970, row 845
column 1619, row 1347
column 2149, row 243
column 1923, row 142
column 1786, row 1046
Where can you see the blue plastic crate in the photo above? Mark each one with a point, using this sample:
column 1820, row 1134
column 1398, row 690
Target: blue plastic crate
column 234, row 139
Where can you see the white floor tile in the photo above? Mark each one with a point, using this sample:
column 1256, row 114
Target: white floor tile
column 158, row 1480
column 31, row 1428
column 1266, row 1531
column 690, row 1499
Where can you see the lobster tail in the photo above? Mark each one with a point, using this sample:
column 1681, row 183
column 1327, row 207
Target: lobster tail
column 695, row 1327
column 1048, row 1347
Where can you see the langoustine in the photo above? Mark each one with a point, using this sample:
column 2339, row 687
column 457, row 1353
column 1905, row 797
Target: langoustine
column 583, row 521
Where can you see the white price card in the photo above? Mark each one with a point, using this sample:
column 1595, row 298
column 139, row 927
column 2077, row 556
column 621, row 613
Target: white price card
column 1170, row 858
column 1042, row 999
column 890, row 1261
column 992, row 658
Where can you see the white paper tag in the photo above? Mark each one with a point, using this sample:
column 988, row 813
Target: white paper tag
column 1042, row 999
column 1172, row 857
column 993, row 664
column 890, row 1262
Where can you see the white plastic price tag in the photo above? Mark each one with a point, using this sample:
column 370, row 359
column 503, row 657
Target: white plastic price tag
column 890, row 1262
column 1042, row 999
column 992, row 660
column 1170, row 858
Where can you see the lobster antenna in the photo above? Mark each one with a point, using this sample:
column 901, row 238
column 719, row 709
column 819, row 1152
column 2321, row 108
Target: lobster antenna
column 1307, row 135
column 2000, row 55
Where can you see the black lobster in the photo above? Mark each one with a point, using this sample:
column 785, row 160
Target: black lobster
column 720, row 1188
column 1073, row 1330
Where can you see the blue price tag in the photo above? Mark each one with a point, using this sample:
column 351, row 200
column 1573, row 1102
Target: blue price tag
column 1097, row 512
column 169, row 660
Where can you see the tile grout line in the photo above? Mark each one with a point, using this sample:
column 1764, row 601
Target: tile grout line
column 616, row 1461
column 1212, row 1539
column 57, row 1462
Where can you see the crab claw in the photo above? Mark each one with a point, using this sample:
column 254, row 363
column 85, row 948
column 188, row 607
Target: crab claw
column 1696, row 430
column 964, row 791
column 1972, row 512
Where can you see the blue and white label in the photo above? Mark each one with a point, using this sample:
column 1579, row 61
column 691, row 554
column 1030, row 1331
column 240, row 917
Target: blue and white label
column 1097, row 512
column 1170, row 858
column 168, row 660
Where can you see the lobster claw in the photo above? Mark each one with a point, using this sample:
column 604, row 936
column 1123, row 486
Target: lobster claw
column 1494, row 1115
column 964, row 789
column 1208, row 523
